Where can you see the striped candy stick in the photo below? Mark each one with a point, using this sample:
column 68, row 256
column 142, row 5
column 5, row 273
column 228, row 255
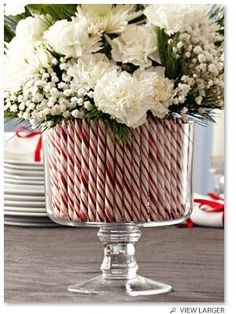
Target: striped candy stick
column 69, row 130
column 67, row 203
column 168, row 175
column 77, row 165
column 171, row 148
column 53, row 175
column 61, row 172
column 132, row 212
column 176, row 169
column 135, row 170
column 160, row 138
column 156, row 176
column 92, row 180
column 119, row 183
column 110, row 215
column 84, row 171
column 145, row 198
column 101, row 162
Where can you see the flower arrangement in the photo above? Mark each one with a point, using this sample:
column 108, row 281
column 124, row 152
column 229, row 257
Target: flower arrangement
column 115, row 63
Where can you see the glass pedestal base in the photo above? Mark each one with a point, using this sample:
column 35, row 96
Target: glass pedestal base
column 119, row 266
column 131, row 287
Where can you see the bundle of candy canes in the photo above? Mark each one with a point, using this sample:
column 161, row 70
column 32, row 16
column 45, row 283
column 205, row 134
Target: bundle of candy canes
column 95, row 179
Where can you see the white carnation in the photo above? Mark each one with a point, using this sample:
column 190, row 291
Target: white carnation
column 177, row 17
column 89, row 69
column 137, row 45
column 162, row 89
column 71, row 38
column 124, row 97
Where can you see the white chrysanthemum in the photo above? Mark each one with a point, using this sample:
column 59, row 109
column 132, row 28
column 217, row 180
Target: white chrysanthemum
column 89, row 69
column 107, row 18
column 162, row 89
column 137, row 45
column 178, row 18
column 21, row 52
column 71, row 38
column 124, row 97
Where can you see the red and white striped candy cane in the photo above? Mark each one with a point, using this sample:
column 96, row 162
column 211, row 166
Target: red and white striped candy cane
column 119, row 183
column 61, row 172
column 100, row 183
column 145, row 198
column 135, row 170
column 77, row 125
column 84, row 171
column 177, row 168
column 167, row 163
column 53, row 175
column 110, row 214
column 92, row 180
column 70, row 170
column 161, row 166
column 131, row 212
column 155, row 176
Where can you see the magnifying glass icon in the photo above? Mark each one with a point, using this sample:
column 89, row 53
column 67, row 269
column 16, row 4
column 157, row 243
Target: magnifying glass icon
column 173, row 310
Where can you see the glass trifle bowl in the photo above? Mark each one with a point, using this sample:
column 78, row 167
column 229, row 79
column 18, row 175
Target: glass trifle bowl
column 92, row 180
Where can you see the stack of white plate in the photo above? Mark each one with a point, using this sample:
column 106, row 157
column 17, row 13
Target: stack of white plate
column 24, row 196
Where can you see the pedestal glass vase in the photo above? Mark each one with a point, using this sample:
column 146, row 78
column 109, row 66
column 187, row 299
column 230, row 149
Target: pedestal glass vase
column 91, row 180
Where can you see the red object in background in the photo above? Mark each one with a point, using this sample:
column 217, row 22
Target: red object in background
column 29, row 133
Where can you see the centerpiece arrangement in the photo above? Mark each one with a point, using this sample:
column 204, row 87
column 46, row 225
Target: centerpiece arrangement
column 116, row 88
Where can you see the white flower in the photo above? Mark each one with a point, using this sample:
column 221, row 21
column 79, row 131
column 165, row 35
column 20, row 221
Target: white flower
column 137, row 44
column 107, row 17
column 89, row 69
column 71, row 38
column 15, row 8
column 30, row 29
column 162, row 89
column 123, row 97
column 178, row 17
column 77, row 114
column 23, row 55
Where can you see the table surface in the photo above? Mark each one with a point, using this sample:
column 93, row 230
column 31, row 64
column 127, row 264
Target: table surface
column 41, row 262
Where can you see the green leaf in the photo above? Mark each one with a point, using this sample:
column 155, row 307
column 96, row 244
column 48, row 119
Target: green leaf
column 173, row 66
column 56, row 11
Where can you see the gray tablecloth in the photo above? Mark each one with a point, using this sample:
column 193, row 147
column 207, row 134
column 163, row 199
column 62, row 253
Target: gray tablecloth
column 41, row 262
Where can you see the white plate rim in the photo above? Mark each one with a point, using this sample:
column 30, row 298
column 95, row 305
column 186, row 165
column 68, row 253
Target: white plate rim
column 22, row 204
column 31, row 214
column 20, row 192
column 17, row 198
column 21, row 162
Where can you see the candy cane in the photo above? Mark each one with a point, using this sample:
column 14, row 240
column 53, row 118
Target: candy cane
column 155, row 177
column 69, row 149
column 131, row 212
column 84, row 171
column 100, row 183
column 53, row 176
column 77, row 125
column 109, row 180
column 119, row 183
column 92, row 172
column 145, row 198
column 160, row 140
column 135, row 170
